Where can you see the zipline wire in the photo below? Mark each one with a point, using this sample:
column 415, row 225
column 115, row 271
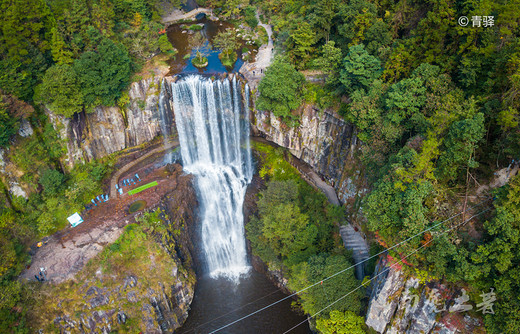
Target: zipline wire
column 387, row 269
column 336, row 274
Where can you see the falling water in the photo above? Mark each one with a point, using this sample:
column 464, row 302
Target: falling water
column 214, row 138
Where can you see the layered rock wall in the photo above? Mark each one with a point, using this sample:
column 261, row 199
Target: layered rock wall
column 90, row 136
column 400, row 303
column 323, row 140
column 149, row 291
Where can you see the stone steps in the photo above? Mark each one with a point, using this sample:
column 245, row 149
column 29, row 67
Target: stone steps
column 354, row 241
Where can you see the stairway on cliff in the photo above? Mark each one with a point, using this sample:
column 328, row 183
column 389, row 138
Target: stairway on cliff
column 354, row 241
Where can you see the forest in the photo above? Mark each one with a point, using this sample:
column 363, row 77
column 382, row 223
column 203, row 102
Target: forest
column 436, row 105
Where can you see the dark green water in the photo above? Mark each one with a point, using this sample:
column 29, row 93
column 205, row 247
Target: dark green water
column 226, row 302
column 137, row 206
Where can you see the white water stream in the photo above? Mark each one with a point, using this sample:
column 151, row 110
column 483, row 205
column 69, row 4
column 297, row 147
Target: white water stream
column 213, row 130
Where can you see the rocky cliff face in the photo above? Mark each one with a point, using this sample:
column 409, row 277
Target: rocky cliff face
column 323, row 140
column 142, row 282
column 402, row 304
column 111, row 129
column 9, row 172
column 135, row 302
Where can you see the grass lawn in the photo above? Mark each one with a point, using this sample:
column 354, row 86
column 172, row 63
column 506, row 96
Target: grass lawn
column 143, row 187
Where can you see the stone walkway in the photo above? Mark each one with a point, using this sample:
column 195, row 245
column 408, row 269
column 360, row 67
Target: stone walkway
column 179, row 15
column 354, row 241
column 254, row 71
column 115, row 178
column 67, row 251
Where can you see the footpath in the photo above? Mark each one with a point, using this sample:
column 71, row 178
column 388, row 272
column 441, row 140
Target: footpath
column 352, row 239
column 115, row 178
column 179, row 15
column 255, row 71
column 67, row 251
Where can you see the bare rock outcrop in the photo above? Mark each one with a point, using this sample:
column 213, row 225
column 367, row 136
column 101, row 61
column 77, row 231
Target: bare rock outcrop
column 106, row 130
column 323, row 140
column 400, row 303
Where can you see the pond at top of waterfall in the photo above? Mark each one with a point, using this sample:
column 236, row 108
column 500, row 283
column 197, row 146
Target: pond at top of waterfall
column 212, row 122
column 180, row 34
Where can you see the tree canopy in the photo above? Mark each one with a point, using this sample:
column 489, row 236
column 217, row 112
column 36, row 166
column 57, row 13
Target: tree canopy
column 280, row 89
column 103, row 73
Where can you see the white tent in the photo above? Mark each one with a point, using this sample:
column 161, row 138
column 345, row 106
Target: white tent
column 75, row 219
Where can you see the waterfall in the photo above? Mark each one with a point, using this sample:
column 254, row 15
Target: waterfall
column 213, row 130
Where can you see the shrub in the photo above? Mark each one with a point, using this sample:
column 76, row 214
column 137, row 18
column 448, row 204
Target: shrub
column 250, row 17
column 195, row 27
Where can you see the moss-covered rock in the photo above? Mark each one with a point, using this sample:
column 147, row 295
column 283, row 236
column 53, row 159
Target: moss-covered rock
column 133, row 285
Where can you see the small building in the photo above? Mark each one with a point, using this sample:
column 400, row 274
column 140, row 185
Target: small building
column 75, row 219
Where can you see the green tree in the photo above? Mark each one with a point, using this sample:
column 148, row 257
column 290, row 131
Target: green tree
column 321, row 15
column 227, row 41
column 7, row 255
column 233, row 8
column 317, row 268
column 25, row 35
column 378, row 39
column 460, row 144
column 52, row 182
column 498, row 257
column 355, row 17
column 396, row 208
column 300, row 44
column 60, row 52
column 341, row 322
column 165, row 45
column 366, row 111
column 197, row 42
column 8, row 126
column 250, row 16
column 329, row 62
column 359, row 70
column 60, row 90
column 289, row 233
column 280, row 89
column 277, row 192
column 103, row 73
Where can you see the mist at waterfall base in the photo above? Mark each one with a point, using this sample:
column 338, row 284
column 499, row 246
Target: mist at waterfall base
column 213, row 127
